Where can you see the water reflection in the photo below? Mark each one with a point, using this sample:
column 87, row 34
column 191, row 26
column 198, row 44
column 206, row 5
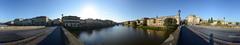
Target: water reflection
column 122, row 35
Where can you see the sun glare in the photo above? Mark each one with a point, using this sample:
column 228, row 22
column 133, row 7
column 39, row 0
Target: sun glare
column 89, row 11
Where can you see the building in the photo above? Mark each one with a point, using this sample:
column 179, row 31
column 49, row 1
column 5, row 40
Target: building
column 159, row 21
column 71, row 21
column 40, row 21
column 26, row 22
column 151, row 22
column 193, row 20
column 17, row 21
column 126, row 22
column 141, row 22
column 218, row 22
column 56, row 21
column 133, row 23
column 37, row 21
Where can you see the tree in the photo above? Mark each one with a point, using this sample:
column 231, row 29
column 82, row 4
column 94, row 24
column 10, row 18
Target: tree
column 170, row 22
column 230, row 23
column 210, row 20
column 219, row 23
column 237, row 23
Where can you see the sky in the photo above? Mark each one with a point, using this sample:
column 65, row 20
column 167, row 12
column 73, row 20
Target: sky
column 119, row 10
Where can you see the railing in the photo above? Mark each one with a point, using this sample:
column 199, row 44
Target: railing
column 173, row 38
column 72, row 40
column 213, row 38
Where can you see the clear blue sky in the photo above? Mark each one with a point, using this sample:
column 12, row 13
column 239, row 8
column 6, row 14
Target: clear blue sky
column 118, row 10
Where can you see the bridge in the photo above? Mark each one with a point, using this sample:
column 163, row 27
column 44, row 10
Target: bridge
column 186, row 35
column 207, row 35
column 36, row 35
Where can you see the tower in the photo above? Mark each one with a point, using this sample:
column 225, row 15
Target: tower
column 178, row 17
column 62, row 15
column 179, row 13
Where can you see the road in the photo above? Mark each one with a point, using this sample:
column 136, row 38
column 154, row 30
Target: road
column 187, row 37
column 15, row 35
column 229, row 35
column 57, row 37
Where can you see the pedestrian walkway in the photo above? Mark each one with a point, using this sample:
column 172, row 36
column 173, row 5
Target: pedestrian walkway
column 187, row 37
column 57, row 37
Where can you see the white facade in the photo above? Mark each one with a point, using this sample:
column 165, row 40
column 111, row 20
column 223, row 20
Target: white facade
column 193, row 20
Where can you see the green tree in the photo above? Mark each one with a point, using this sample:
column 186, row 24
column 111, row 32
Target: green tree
column 230, row 23
column 237, row 23
column 170, row 24
column 219, row 23
column 210, row 20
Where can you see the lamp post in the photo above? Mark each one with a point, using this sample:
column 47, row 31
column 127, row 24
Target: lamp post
column 224, row 21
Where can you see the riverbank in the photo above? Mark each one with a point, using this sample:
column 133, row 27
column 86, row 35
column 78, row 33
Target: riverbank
column 150, row 28
column 172, row 33
column 172, row 28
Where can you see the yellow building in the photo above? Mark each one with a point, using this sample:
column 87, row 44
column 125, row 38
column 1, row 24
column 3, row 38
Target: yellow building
column 193, row 20
column 159, row 21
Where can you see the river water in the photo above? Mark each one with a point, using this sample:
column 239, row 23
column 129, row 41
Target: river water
column 122, row 35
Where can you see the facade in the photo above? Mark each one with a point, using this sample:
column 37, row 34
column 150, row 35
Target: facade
column 142, row 22
column 126, row 23
column 193, row 20
column 133, row 23
column 37, row 21
column 71, row 21
column 56, row 21
column 159, row 21
column 26, row 22
column 40, row 20
column 17, row 21
column 151, row 22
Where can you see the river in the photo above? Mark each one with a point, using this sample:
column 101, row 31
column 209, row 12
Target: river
column 122, row 35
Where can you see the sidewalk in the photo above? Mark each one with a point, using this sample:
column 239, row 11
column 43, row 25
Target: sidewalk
column 187, row 37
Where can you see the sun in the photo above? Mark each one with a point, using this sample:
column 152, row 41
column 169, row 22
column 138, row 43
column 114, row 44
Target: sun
column 89, row 11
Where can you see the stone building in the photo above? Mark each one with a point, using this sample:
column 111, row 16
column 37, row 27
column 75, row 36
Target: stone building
column 40, row 20
column 17, row 21
column 56, row 21
column 142, row 22
column 159, row 21
column 26, row 22
column 193, row 20
column 71, row 21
